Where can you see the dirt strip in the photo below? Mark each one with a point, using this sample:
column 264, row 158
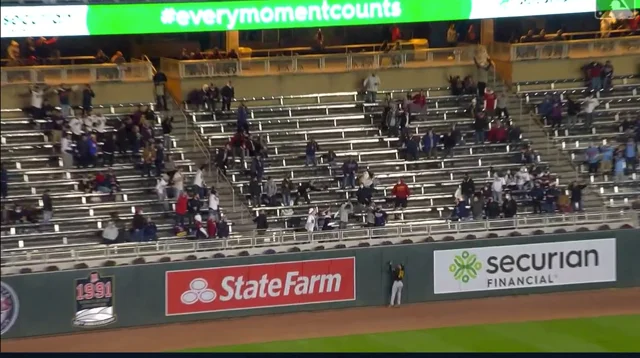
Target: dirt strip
column 303, row 325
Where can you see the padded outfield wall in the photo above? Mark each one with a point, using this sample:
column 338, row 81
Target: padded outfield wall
column 79, row 300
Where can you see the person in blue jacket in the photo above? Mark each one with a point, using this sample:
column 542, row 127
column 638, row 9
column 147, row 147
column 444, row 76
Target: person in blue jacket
column 380, row 217
column 5, row 182
column 546, row 107
column 460, row 211
column 620, row 167
column 631, row 154
column 430, row 143
column 243, row 121
column 310, row 153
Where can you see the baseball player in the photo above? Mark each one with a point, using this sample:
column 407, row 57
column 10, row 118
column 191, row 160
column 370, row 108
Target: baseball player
column 397, row 274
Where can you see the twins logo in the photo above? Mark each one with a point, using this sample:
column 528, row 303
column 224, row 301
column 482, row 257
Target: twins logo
column 9, row 307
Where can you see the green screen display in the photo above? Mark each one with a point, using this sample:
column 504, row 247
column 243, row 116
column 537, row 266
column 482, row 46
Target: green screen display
column 74, row 20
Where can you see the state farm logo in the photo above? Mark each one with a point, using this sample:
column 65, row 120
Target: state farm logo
column 260, row 286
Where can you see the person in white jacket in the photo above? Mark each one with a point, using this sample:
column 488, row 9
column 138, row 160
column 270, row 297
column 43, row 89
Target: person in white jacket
column 523, row 179
column 178, row 183
column 66, row 151
column 99, row 122
column 214, row 204
column 371, row 85
column 75, row 124
column 198, row 181
column 161, row 191
column 590, row 104
column 496, row 188
column 310, row 225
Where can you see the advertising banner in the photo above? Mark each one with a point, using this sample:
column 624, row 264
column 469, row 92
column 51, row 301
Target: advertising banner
column 524, row 266
column 266, row 285
column 118, row 19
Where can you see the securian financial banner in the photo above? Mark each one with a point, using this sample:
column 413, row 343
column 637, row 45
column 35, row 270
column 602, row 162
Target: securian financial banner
column 117, row 19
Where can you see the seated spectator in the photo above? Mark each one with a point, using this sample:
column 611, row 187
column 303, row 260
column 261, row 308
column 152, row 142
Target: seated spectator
column 497, row 134
column 564, row 203
column 492, row 209
column 138, row 224
column 576, row 196
column 223, row 228
column 303, row 192
column 523, row 179
column 477, row 208
column 509, row 207
column 194, row 205
column 419, row 102
column 110, row 234
column 212, row 227
column 460, row 211
column 101, row 184
column 262, row 223
column 101, row 57
column 271, row 190
column 364, row 195
column 513, row 133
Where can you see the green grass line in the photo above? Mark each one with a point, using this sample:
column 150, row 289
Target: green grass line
column 599, row 334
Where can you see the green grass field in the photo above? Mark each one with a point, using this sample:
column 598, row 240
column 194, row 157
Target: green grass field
column 602, row 334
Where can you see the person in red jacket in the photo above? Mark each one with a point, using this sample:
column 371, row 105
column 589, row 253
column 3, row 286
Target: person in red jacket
column 490, row 103
column 212, row 227
column 181, row 208
column 420, row 100
column 497, row 134
column 401, row 192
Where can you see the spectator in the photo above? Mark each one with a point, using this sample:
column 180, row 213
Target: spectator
column 592, row 158
column 490, row 100
column 198, row 181
column 502, row 102
column 4, row 182
column 161, row 192
column 477, row 208
column 310, row 225
column 261, row 222
column 255, row 191
column 480, row 124
column 349, row 171
column 223, row 228
column 148, row 158
column 159, row 159
column 238, row 146
column 222, row 158
column 419, row 102
column 537, row 196
column 178, row 181
column 159, row 87
column 620, row 167
column 471, row 36
column 87, row 99
column 101, row 57
column 551, row 198
column 573, row 109
column 272, row 190
column 214, row 204
column 630, row 153
column 303, row 191
column 509, row 207
column 92, row 157
column 467, row 187
column 194, row 204
column 523, row 179
column 364, row 195
column 556, row 115
column 285, row 188
column 606, row 159
column 371, row 85
column 452, row 36
column 576, row 195
column 449, row 142
column 430, row 143
column 82, row 152
column 496, row 187
column 257, row 168
column 607, row 75
column 492, row 209
column 460, row 211
column 13, row 53
column 396, row 35
column 167, row 128
column 412, row 148
column 343, row 213
column 227, row 94
column 242, row 121
column 64, row 99
column 387, row 103
column 110, row 233
column 590, row 104
column 310, row 153
column 319, row 40
column 497, row 134
column 595, row 76
column 513, row 133
column 367, row 178
column 483, row 64
column 401, row 192
column 212, row 227
column 380, row 217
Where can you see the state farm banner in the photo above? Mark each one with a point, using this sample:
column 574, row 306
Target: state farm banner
column 260, row 286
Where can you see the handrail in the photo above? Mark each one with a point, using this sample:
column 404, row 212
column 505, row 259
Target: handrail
column 21, row 257
column 198, row 143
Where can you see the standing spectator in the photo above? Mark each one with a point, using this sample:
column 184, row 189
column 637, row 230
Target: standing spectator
column 148, row 158
column 590, row 104
column 178, row 181
column 471, row 36
column 576, row 195
column 492, row 209
column 64, row 99
column 497, row 134
column 160, row 88
column 198, row 181
column 255, row 192
column 310, row 225
column 92, row 155
column 364, row 195
column 13, row 53
column 551, row 198
column 101, row 57
column 595, row 76
column 490, row 100
column 161, row 192
column 4, row 182
column 412, row 148
column 401, row 192
column 167, row 127
column 159, row 159
column 371, row 85
column 606, row 159
column 261, row 223
column 607, row 75
column 343, row 213
column 87, row 99
column 592, row 157
column 242, row 120
column 630, row 153
column 620, row 167
column 460, row 211
column 468, row 187
column 430, row 143
column 194, row 205
column 452, row 36
column 396, row 35
column 523, row 179
column 227, row 94
column 556, row 115
column 272, row 190
column 483, row 64
column 496, row 187
column 223, row 228
column 212, row 227
column 449, row 142
column 285, row 188
column 509, row 207
column 66, row 151
column 502, row 102
column 349, row 172
column 537, row 196
column 477, row 208
column 257, row 168
column 181, row 208
column 573, row 109
column 310, row 153
column 214, row 204
column 480, row 124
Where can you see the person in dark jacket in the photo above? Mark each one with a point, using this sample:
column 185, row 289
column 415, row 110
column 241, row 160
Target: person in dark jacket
column 255, row 191
column 480, row 126
column 82, row 152
column 537, row 196
column 430, row 143
column 467, row 186
column 364, row 195
column 449, row 143
column 477, row 208
column 257, row 168
column 159, row 159
column 576, row 195
column 167, row 127
column 303, row 191
column 509, row 207
column 261, row 222
column 47, row 207
column 242, row 118
column 310, row 153
column 380, row 217
column 4, row 182
column 223, row 228
column 349, row 172
column 108, row 149
column 492, row 209
column 573, row 109
column 227, row 93
column 412, row 149
column 87, row 99
column 513, row 133
column 460, row 211
column 193, row 206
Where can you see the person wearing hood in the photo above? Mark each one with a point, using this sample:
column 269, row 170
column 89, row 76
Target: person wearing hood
column 537, row 196
column 262, row 223
column 509, row 207
column 310, row 225
column 496, row 187
column 343, row 214
column 242, row 118
column 477, row 208
column 401, row 193
column 380, row 217
column 272, row 190
column 223, row 228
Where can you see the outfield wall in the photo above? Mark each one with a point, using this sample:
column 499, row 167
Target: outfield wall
column 79, row 300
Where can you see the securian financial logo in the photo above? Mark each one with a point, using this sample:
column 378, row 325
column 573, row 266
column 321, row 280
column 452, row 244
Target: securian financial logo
column 465, row 267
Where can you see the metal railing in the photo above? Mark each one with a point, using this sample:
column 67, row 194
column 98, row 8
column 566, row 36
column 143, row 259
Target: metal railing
column 24, row 257
column 132, row 71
